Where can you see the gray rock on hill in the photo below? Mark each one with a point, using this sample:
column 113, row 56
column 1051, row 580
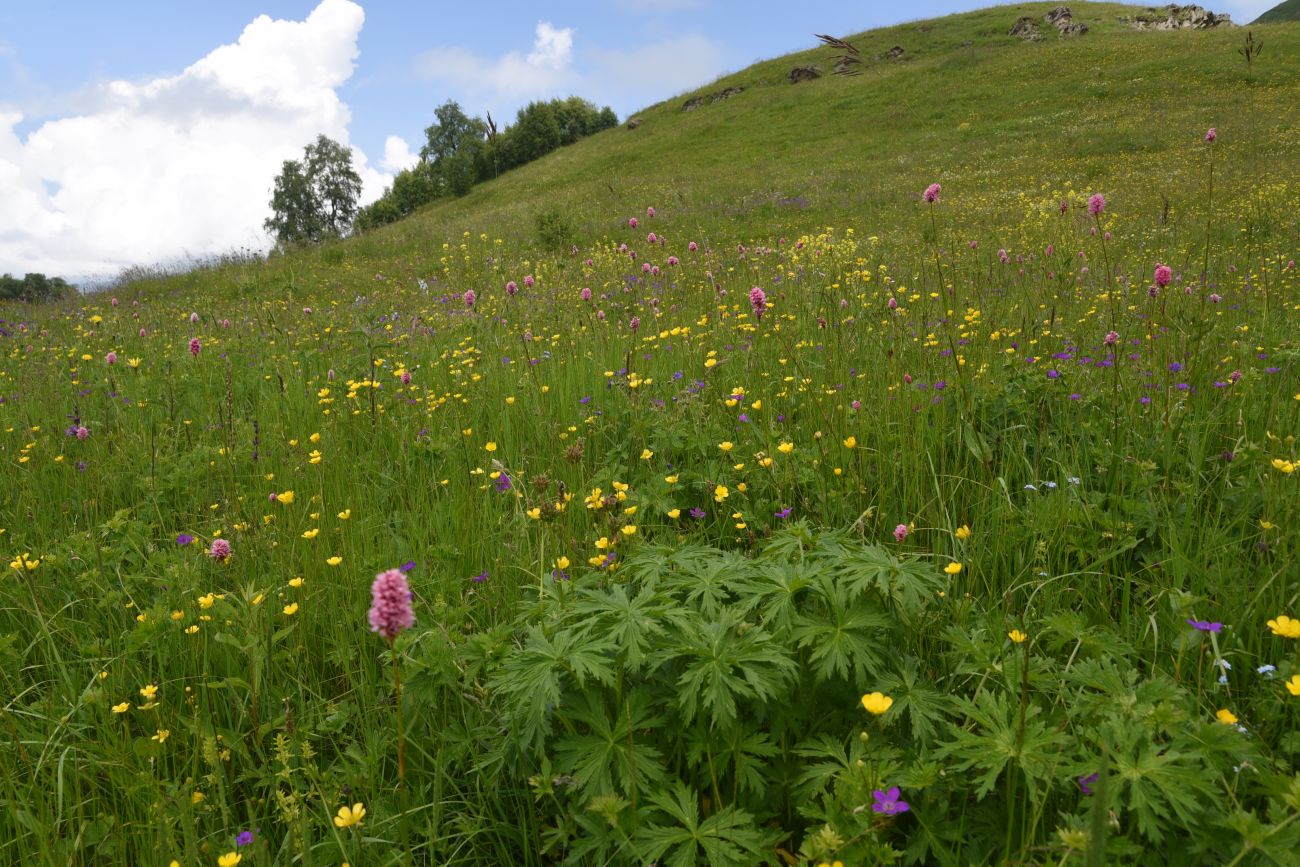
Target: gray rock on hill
column 1174, row 17
column 726, row 93
column 1061, row 18
column 803, row 73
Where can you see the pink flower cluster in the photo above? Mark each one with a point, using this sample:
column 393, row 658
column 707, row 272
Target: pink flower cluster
column 758, row 301
column 390, row 606
column 932, row 193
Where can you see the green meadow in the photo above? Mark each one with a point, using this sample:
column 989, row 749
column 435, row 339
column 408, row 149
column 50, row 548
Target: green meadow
column 887, row 468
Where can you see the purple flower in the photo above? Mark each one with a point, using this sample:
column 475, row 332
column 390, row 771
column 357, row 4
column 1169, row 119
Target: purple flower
column 697, row 513
column 220, row 550
column 390, row 605
column 244, row 838
column 931, row 195
column 1085, row 783
column 1204, row 625
column 887, row 803
column 1096, row 204
column 480, row 577
column 784, row 513
column 503, row 483
column 184, row 539
column 407, row 566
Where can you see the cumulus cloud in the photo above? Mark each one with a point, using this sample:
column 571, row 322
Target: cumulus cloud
column 544, row 71
column 397, row 155
column 179, row 165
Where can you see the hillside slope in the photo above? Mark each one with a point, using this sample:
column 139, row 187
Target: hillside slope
column 990, row 115
column 1287, row 10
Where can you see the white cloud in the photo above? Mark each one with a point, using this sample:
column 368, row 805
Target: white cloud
column 397, row 155
column 513, row 77
column 181, row 165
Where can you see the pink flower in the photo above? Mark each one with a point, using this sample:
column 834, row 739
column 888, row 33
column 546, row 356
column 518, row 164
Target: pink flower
column 635, row 323
column 528, row 281
column 1096, row 204
column 650, row 212
column 758, row 301
column 585, row 294
column 390, row 604
column 900, row 532
column 1003, row 256
column 1215, row 297
column 470, row 297
column 1112, row 338
column 692, row 246
column 512, row 287
column 220, row 550
column 932, row 193
column 672, row 260
column 113, row 301
column 632, row 223
column 892, row 303
column 82, row 432
column 1211, row 134
column 111, row 358
column 195, row 347
column 306, row 311
column 330, row 375
column 406, row 377
column 645, row 267
column 142, row 332
column 600, row 314
column 857, row 404
column 1163, row 275
column 194, row 317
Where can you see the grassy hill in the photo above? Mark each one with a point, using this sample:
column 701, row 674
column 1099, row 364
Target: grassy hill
column 897, row 468
column 1287, row 10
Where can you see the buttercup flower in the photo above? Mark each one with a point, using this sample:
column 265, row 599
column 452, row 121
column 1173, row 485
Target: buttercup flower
column 877, row 703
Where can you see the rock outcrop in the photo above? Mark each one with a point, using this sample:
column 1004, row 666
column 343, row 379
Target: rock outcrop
column 696, row 101
column 1026, row 28
column 803, row 73
column 1173, row 17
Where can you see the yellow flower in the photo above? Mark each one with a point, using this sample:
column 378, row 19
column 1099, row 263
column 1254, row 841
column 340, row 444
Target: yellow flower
column 196, row 798
column 286, row 498
column 295, row 582
column 628, row 530
column 133, row 362
column 1285, row 466
column 291, row 609
column 562, row 563
column 1226, row 717
column 149, row 691
column 646, row 454
column 850, row 442
column 491, row 447
column 726, row 446
column 672, row 480
column 122, row 708
column 162, row 736
column 877, row 703
column 785, row 448
column 674, row 513
column 349, row 816
column 1017, row 636
column 230, row 859
column 335, row 560
column 535, row 513
column 720, row 493
column 963, row 532
column 314, row 437
column 952, row 568
column 345, row 514
column 1284, row 626
column 1293, row 685
column 206, row 601
column 191, row 629
column 312, row 533
column 315, row 457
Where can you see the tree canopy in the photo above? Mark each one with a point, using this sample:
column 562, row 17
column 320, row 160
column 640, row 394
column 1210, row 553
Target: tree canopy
column 316, row 197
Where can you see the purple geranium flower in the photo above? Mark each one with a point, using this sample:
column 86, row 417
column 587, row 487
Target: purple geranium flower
column 184, row 539
column 1205, row 625
column 697, row 513
column 503, row 483
column 784, row 513
column 887, row 803
column 407, row 566
column 1085, row 783
column 244, row 838
column 480, row 577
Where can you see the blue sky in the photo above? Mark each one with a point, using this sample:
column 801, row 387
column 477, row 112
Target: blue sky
column 141, row 131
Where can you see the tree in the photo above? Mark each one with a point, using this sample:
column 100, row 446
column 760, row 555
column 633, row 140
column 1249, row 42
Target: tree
column 315, row 198
column 33, row 288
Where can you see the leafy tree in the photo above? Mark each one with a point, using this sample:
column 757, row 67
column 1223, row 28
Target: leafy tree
column 33, row 288
column 316, row 197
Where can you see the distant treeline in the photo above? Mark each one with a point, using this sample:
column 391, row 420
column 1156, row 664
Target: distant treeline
column 461, row 151
column 33, row 288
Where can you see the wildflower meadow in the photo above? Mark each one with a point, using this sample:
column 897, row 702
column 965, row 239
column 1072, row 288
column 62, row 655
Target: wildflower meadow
column 958, row 528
